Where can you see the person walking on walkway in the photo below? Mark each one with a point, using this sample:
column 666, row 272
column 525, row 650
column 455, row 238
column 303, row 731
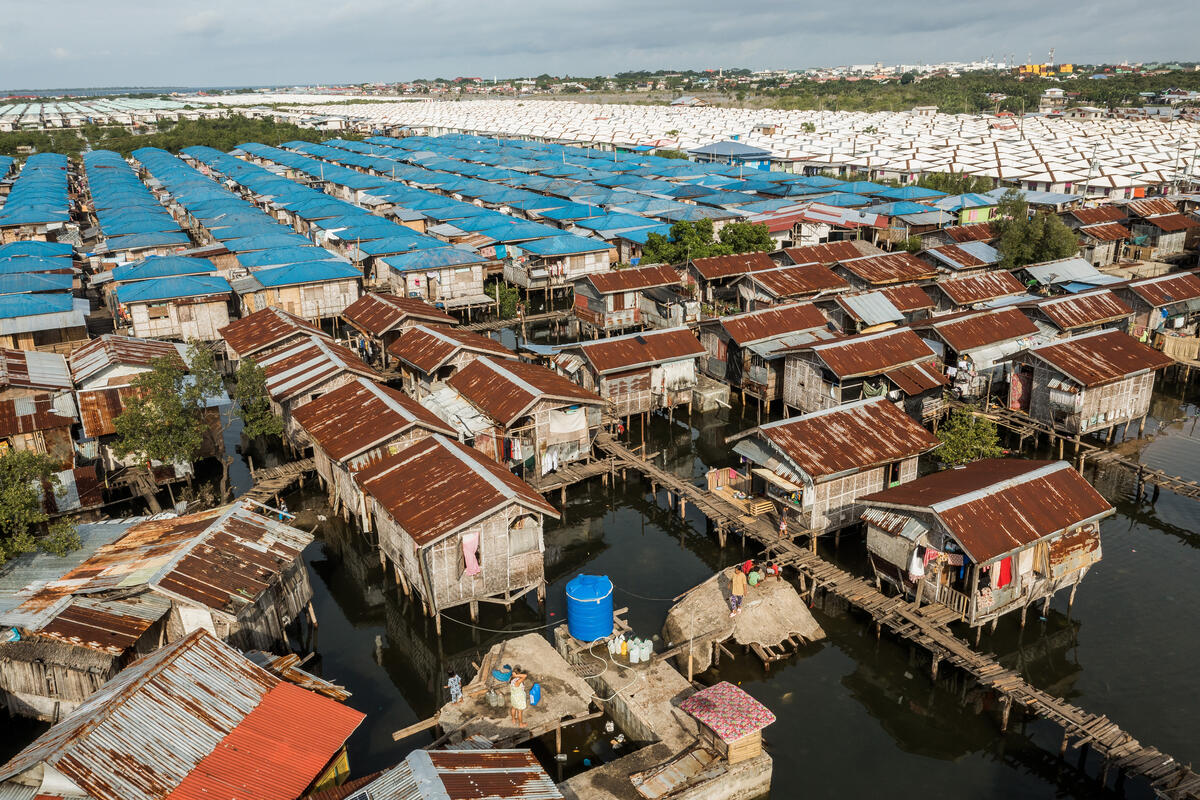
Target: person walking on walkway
column 737, row 591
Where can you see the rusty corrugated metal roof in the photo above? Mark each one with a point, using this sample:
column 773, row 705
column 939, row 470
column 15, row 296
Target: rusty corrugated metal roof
column 825, row 254
column 974, row 329
column 376, row 313
column 29, row 414
column 872, row 354
column 266, row 328
column 1151, row 206
column 981, row 287
column 847, row 438
column 995, row 506
column 354, row 418
column 222, row 559
column 716, row 267
column 629, row 280
column 801, row 279
column 640, row 349
column 1167, row 289
column 976, row 232
column 913, row 379
column 428, row 347
column 958, row 256
column 1098, row 215
column 767, row 323
column 195, row 719
column 505, row 390
column 465, row 775
column 29, row 369
column 309, row 362
column 908, row 298
column 1106, row 232
column 457, row 486
column 99, row 407
column 111, row 350
column 1084, row 309
column 1172, row 223
column 1102, row 357
column 888, row 268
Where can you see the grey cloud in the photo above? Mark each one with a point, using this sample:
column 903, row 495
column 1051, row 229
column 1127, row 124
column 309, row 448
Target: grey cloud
column 301, row 41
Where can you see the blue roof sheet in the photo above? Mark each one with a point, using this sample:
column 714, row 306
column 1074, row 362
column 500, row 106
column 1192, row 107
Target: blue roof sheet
column 306, row 272
column 433, row 259
column 162, row 267
column 35, row 282
column 171, row 288
column 28, row 305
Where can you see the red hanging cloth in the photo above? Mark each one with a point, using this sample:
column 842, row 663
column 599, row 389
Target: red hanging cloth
column 1005, row 577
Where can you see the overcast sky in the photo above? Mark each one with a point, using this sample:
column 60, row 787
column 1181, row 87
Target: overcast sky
column 75, row 43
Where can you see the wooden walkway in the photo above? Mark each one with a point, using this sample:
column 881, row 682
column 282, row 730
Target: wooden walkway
column 498, row 324
column 1025, row 426
column 269, row 482
column 928, row 627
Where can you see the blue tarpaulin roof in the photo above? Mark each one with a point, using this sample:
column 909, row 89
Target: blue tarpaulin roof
column 35, row 282
column 162, row 267
column 306, row 272
column 170, row 288
column 433, row 259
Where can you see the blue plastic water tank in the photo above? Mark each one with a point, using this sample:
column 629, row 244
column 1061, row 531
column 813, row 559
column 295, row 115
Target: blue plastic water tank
column 590, row 607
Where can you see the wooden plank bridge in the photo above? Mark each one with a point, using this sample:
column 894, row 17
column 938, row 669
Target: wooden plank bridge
column 271, row 481
column 928, row 627
column 528, row 319
column 1026, row 426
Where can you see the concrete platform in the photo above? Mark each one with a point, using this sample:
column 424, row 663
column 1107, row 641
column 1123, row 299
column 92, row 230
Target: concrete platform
column 564, row 694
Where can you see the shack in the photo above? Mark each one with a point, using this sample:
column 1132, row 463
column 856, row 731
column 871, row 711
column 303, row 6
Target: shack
column 731, row 721
column 1073, row 314
column 50, row 323
column 992, row 537
column 714, row 277
column 981, row 289
column 184, row 308
column 447, row 277
column 312, row 290
column 507, row 774
column 975, row 347
column 134, row 584
column 665, row 307
column 381, row 318
column 265, row 332
column 746, row 350
column 1103, row 244
column 306, row 370
column 862, row 312
column 812, row 469
column 540, row 421
column 476, row 535
column 229, row 718
column 431, row 353
column 355, row 425
column 1168, row 303
column 786, row 285
column 1158, row 227
column 1086, row 384
column 38, row 425
column 25, row 373
column 895, row 363
column 828, row 253
column 963, row 259
column 636, row 373
column 612, row 301
column 866, row 273
column 557, row 261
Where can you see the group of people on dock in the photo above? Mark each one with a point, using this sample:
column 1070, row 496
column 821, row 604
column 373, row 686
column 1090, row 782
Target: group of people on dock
column 744, row 576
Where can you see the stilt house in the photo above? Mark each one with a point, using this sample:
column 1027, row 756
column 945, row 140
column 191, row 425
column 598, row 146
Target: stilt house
column 475, row 535
column 995, row 536
column 814, row 468
column 265, row 332
column 354, row 426
column 431, row 353
column 236, row 572
column 381, row 317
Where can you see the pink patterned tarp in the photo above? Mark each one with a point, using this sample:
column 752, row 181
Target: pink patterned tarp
column 728, row 710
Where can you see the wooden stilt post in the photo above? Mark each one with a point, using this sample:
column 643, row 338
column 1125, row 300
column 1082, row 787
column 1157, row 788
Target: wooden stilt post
column 1004, row 711
column 1071, row 598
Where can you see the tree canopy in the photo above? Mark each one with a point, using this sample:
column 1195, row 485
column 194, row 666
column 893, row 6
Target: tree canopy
column 688, row 240
column 1030, row 239
column 24, row 475
column 251, row 403
column 163, row 418
column 966, row 438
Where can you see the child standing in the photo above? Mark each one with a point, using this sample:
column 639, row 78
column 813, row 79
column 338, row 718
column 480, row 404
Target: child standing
column 454, row 684
column 737, row 591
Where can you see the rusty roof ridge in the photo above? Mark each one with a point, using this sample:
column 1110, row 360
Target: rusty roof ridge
column 636, row 334
column 476, row 467
column 999, row 486
column 389, row 401
column 859, row 338
column 1049, row 301
column 513, row 377
column 863, row 401
column 1080, row 337
column 1157, row 278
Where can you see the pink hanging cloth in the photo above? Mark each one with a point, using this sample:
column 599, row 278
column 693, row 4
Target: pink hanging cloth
column 470, row 544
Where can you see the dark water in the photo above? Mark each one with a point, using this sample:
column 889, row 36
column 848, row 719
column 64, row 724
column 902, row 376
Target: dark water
column 856, row 715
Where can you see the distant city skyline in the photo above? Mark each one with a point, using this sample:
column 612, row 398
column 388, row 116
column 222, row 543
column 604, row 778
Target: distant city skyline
column 120, row 43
